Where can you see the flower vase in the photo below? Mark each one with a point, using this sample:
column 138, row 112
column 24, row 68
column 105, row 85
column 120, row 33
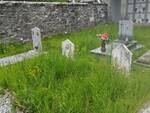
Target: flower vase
column 103, row 47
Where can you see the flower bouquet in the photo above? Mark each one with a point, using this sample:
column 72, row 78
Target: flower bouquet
column 105, row 38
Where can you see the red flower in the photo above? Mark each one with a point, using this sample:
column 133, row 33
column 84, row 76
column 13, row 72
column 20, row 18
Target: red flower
column 105, row 36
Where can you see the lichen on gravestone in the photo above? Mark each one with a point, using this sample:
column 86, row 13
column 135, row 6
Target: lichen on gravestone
column 122, row 58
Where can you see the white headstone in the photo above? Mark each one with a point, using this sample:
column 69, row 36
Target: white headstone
column 36, row 37
column 68, row 48
column 122, row 58
column 125, row 30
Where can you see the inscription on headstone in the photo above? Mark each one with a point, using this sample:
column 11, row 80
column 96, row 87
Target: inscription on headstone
column 122, row 58
column 36, row 37
column 68, row 48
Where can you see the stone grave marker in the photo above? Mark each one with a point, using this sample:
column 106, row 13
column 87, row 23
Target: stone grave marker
column 68, row 48
column 125, row 30
column 36, row 37
column 144, row 59
column 122, row 58
column 125, row 33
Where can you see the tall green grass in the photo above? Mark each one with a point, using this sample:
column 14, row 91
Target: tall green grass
column 52, row 83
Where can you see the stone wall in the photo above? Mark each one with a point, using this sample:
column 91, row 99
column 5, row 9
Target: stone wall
column 17, row 18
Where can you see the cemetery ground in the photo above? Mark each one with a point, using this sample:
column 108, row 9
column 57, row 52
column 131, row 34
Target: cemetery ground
column 51, row 83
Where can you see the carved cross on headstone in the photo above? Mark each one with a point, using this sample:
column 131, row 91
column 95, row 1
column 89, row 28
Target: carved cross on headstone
column 122, row 58
column 36, row 37
column 125, row 30
column 68, row 48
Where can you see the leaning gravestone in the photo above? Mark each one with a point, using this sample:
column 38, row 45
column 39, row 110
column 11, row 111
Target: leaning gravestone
column 68, row 48
column 144, row 59
column 122, row 58
column 126, row 35
column 36, row 37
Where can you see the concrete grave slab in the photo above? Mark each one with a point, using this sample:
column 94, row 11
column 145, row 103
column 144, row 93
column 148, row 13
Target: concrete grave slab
column 144, row 59
column 99, row 52
column 18, row 58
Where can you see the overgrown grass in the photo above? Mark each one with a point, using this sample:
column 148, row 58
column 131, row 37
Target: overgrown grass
column 88, row 84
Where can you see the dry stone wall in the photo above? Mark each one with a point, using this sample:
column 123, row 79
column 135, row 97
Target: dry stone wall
column 18, row 18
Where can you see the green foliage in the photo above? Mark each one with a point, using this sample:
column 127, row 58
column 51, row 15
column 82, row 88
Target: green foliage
column 52, row 83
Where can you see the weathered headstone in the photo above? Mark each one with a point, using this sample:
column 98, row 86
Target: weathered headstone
column 36, row 37
column 125, row 30
column 144, row 59
column 68, row 48
column 126, row 35
column 122, row 58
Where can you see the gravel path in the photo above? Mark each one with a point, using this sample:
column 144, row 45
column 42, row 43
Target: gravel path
column 145, row 109
column 5, row 103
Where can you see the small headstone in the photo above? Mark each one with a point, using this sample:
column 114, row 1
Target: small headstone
column 68, row 48
column 122, row 58
column 144, row 59
column 125, row 30
column 36, row 37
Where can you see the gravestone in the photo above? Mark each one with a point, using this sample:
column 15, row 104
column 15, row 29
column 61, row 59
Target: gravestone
column 126, row 35
column 68, row 48
column 125, row 30
column 122, row 58
column 144, row 59
column 36, row 37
